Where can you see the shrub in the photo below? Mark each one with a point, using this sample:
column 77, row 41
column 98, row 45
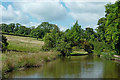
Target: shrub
column 88, row 47
column 4, row 43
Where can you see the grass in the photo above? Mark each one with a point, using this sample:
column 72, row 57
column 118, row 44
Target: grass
column 79, row 51
column 15, row 60
column 0, row 61
column 25, row 44
column 24, row 52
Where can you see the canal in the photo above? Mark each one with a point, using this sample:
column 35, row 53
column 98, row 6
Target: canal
column 75, row 67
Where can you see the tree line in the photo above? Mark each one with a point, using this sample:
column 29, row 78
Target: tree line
column 20, row 30
column 105, row 39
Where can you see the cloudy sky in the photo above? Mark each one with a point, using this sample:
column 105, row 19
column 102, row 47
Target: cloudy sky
column 64, row 13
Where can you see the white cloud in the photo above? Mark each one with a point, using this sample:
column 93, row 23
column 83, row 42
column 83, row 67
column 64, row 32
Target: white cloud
column 47, row 11
column 62, row 28
column 85, row 18
column 9, row 15
column 24, row 11
column 87, row 13
column 32, row 24
column 89, row 0
column 57, row 0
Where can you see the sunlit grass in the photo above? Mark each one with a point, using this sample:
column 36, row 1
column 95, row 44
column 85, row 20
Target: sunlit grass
column 26, row 44
column 79, row 51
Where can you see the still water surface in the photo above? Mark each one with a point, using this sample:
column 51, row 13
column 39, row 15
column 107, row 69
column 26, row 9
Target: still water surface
column 75, row 67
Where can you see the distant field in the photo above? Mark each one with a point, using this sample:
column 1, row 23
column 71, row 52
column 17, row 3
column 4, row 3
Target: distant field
column 26, row 44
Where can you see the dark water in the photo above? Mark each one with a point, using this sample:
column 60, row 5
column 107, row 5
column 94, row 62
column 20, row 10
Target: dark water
column 75, row 67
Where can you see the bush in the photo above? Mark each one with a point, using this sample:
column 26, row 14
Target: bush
column 107, row 55
column 4, row 43
column 100, row 47
column 88, row 47
column 64, row 47
column 45, row 48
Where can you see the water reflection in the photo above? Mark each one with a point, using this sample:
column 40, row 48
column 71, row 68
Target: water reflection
column 74, row 67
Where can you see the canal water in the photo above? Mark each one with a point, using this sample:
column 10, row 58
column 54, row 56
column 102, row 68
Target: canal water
column 74, row 67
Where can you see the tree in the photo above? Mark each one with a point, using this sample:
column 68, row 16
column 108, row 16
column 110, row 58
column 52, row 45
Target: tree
column 109, row 27
column 11, row 27
column 4, row 43
column 101, row 29
column 4, row 28
column 17, row 27
column 63, row 46
column 113, row 25
column 89, row 34
column 75, row 34
column 51, row 39
column 87, row 46
column 42, row 30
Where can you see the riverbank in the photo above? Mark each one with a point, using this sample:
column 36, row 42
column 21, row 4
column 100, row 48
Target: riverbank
column 17, row 60
column 88, row 66
column 25, row 52
column 109, row 56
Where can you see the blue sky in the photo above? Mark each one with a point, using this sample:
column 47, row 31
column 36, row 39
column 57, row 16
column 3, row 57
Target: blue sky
column 64, row 13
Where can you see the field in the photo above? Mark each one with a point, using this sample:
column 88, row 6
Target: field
column 24, row 52
column 25, row 44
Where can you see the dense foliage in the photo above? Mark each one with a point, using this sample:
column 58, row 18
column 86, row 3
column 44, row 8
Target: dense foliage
column 20, row 30
column 65, row 41
column 3, row 43
column 109, row 26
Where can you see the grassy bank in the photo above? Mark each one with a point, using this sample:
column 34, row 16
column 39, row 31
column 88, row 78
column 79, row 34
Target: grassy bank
column 16, row 60
column 24, row 52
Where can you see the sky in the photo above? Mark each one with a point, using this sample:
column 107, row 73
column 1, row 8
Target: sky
column 63, row 13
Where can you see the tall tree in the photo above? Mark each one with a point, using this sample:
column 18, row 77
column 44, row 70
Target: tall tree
column 75, row 34
column 89, row 33
column 4, row 28
column 11, row 27
column 113, row 25
column 101, row 29
column 109, row 27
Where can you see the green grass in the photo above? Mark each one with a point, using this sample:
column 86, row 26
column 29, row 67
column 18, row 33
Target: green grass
column 25, row 44
column 79, row 51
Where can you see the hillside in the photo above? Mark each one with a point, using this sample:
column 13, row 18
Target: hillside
column 27, row 44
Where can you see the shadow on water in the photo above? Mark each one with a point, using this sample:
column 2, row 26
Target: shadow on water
column 74, row 67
